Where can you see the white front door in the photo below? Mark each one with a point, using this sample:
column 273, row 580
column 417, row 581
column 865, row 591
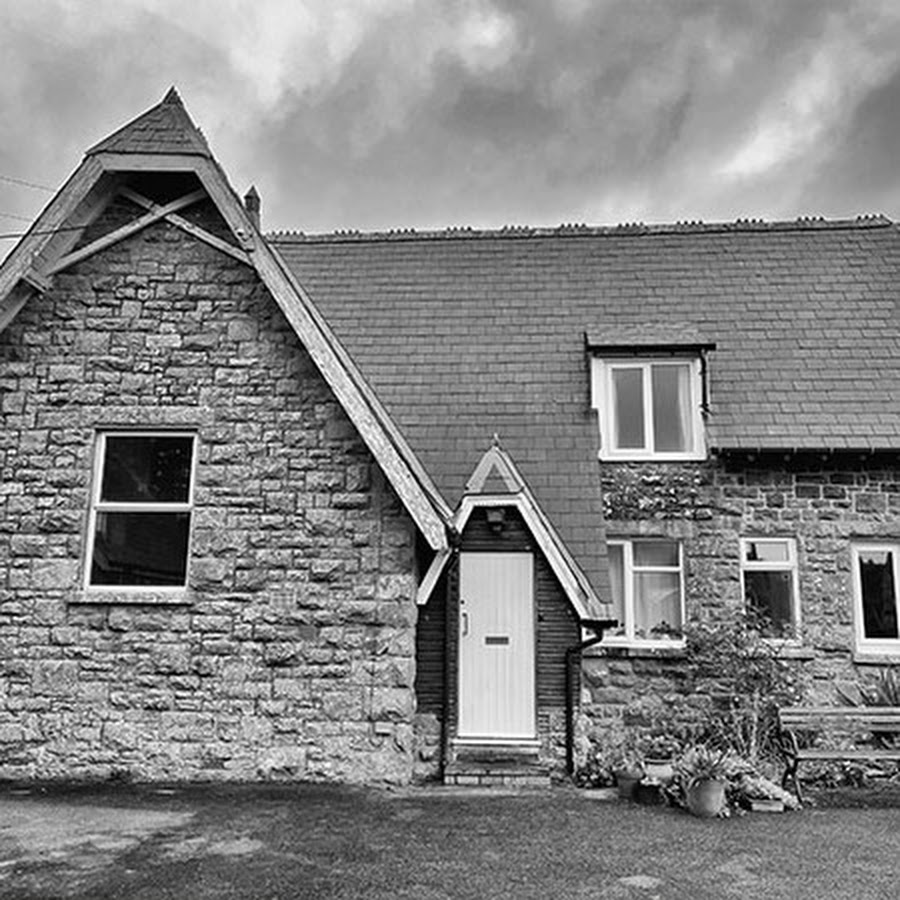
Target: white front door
column 496, row 645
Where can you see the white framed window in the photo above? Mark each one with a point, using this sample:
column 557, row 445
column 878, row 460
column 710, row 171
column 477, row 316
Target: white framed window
column 141, row 504
column 769, row 584
column 647, row 583
column 876, row 577
column 649, row 408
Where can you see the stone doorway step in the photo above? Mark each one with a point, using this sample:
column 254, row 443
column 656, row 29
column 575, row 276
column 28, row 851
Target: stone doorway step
column 496, row 765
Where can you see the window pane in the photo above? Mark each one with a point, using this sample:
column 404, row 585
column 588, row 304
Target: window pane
column 657, row 604
column 769, row 596
column 628, row 397
column 147, row 469
column 656, row 553
column 140, row 549
column 617, row 581
column 671, row 408
column 879, row 596
column 766, row 551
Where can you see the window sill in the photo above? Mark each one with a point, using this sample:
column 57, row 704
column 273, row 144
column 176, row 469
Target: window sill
column 877, row 657
column 134, row 597
column 679, row 651
column 651, row 457
column 791, row 651
column 671, row 650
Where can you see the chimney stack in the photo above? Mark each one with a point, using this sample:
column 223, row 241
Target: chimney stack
column 251, row 204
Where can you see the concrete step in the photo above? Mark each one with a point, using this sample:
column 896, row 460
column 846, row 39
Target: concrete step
column 495, row 764
column 496, row 777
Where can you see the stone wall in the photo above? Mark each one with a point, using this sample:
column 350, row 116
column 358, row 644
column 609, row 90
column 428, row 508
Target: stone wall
column 823, row 503
column 291, row 654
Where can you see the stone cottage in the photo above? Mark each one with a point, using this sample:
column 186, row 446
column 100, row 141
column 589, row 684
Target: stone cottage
column 358, row 506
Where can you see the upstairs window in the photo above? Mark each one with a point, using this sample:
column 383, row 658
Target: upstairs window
column 876, row 577
column 769, row 580
column 140, row 520
column 649, row 408
column 647, row 585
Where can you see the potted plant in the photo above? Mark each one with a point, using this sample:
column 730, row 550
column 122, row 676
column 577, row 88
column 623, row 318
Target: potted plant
column 596, row 774
column 629, row 770
column 703, row 774
column 659, row 752
column 762, row 795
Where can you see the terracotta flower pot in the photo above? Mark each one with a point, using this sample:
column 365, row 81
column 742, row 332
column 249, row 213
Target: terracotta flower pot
column 706, row 798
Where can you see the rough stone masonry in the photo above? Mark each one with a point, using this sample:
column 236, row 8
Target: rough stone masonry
column 291, row 653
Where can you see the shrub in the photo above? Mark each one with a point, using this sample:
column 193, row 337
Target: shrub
column 746, row 681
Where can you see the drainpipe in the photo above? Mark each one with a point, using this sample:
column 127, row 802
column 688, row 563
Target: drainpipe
column 450, row 622
column 598, row 626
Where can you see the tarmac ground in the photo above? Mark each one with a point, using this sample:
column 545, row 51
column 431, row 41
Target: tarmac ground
column 314, row 841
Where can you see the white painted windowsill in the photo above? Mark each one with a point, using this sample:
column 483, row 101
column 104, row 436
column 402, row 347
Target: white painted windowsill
column 134, row 596
column 623, row 649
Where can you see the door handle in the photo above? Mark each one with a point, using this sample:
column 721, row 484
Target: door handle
column 465, row 624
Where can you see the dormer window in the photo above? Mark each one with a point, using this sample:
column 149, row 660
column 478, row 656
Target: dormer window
column 649, row 408
column 649, row 394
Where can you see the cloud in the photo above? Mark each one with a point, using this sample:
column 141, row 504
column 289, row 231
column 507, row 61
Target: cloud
column 830, row 78
column 357, row 113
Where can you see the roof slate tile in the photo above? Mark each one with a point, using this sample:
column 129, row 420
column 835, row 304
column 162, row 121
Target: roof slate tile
column 166, row 128
column 468, row 334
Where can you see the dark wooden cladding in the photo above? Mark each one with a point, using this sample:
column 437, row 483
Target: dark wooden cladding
column 452, row 658
column 557, row 624
column 512, row 537
column 557, row 631
column 430, row 662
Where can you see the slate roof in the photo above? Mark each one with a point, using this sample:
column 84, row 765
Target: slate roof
column 464, row 334
column 166, row 128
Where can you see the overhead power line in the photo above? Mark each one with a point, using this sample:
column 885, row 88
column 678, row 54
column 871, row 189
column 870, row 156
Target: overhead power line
column 14, row 216
column 28, row 184
column 17, row 234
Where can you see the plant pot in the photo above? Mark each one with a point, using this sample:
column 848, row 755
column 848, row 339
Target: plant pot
column 649, row 793
column 626, row 783
column 706, row 798
column 661, row 770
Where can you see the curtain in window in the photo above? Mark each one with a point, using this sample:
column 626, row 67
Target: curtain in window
column 657, row 603
column 628, row 400
column 879, row 593
column 672, row 431
column 617, row 583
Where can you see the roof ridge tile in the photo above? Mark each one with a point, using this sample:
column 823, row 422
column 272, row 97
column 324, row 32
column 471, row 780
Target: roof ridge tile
column 580, row 229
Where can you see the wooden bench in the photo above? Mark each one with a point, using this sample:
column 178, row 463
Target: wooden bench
column 861, row 723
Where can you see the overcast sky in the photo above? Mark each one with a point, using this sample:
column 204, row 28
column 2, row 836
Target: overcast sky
column 374, row 114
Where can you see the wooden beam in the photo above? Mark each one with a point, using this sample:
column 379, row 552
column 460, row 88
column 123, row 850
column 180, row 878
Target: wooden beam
column 37, row 281
column 83, row 215
column 432, row 575
column 203, row 235
column 148, row 162
column 228, row 203
column 195, row 230
column 12, row 303
column 159, row 212
column 47, row 223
